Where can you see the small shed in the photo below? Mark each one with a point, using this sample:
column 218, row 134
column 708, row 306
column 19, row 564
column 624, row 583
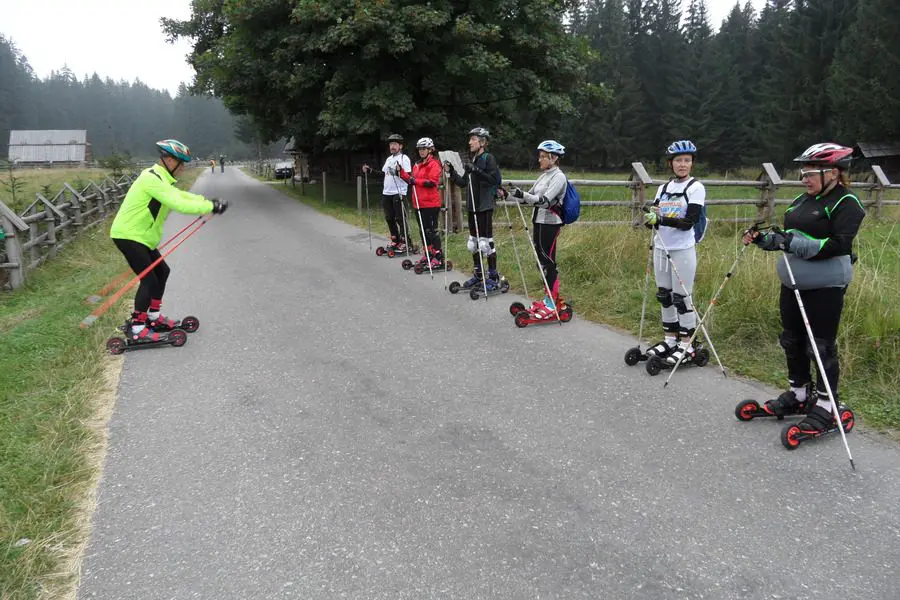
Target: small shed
column 884, row 154
column 58, row 147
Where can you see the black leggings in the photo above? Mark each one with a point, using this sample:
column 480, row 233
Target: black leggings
column 485, row 230
column 430, row 224
column 545, row 243
column 393, row 214
column 823, row 308
column 153, row 285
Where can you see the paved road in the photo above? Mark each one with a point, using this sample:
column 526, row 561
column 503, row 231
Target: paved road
column 340, row 428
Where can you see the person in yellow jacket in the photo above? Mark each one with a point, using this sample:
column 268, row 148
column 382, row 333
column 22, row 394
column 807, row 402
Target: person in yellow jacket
column 137, row 230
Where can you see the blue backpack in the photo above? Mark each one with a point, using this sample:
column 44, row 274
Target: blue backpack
column 700, row 225
column 571, row 204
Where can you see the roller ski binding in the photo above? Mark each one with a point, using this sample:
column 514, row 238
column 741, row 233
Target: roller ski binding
column 699, row 357
column 785, row 405
column 818, row 422
column 475, row 280
column 163, row 324
column 540, row 312
column 634, row 355
column 147, row 338
column 495, row 284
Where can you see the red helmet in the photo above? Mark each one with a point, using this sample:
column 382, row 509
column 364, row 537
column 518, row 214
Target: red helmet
column 826, row 155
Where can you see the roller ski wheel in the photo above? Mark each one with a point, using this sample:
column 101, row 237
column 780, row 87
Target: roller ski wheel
column 522, row 319
column 634, row 355
column 477, row 292
column 794, row 435
column 407, row 264
column 566, row 313
column 190, row 324
column 454, row 287
column 379, row 251
column 115, row 346
column 516, row 307
column 654, row 365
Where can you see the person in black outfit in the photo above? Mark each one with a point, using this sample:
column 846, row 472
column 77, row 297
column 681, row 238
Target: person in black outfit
column 819, row 229
column 481, row 180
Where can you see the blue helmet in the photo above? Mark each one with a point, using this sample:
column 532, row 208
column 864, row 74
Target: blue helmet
column 175, row 149
column 552, row 146
column 681, row 147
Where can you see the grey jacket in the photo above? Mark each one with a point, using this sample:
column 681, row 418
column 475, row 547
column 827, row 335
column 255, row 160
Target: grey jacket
column 546, row 193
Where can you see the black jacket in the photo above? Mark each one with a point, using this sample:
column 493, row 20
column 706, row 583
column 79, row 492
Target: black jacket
column 485, row 178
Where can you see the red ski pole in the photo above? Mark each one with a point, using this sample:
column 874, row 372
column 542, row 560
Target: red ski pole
column 100, row 310
column 94, row 299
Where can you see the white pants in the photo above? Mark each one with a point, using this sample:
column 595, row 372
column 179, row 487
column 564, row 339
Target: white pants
column 685, row 263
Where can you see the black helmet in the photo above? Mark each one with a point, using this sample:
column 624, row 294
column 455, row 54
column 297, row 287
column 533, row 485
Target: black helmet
column 395, row 137
column 480, row 132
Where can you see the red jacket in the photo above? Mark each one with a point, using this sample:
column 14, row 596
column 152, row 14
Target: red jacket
column 430, row 170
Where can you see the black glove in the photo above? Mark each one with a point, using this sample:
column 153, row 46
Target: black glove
column 775, row 240
column 429, row 184
column 411, row 180
column 219, row 206
column 517, row 192
column 469, row 166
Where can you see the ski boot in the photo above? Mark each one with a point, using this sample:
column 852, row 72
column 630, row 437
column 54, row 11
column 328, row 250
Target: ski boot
column 699, row 356
column 437, row 264
column 475, row 280
column 819, row 421
column 662, row 349
column 163, row 324
column 541, row 311
column 495, row 284
column 408, row 264
column 785, row 405
column 146, row 338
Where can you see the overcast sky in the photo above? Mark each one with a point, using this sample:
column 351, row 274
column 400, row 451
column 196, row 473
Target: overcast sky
column 122, row 39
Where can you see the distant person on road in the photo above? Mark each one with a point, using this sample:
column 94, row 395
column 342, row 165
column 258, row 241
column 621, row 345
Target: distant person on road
column 394, row 191
column 222, row 162
column 137, row 229
column 212, row 165
column 819, row 229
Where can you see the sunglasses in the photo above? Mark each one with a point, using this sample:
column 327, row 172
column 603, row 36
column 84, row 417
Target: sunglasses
column 810, row 173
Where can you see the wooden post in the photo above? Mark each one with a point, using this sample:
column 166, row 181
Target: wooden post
column 881, row 181
column 359, row 194
column 13, row 225
column 456, row 218
column 324, row 195
column 52, row 213
column 770, row 181
column 640, row 180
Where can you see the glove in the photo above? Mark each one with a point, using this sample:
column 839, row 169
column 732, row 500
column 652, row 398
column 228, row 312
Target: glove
column 517, row 193
column 219, row 206
column 775, row 240
column 411, row 180
column 429, row 184
column 469, row 166
column 651, row 219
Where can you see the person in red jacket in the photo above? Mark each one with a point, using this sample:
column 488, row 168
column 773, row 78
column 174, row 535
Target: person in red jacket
column 426, row 199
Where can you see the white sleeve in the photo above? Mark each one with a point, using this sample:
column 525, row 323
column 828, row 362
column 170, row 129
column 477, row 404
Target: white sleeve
column 407, row 164
column 387, row 165
column 697, row 194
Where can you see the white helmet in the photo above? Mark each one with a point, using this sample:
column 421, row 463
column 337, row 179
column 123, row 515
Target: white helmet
column 425, row 142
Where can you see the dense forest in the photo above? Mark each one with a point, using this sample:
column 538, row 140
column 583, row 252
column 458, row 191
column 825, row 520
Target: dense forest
column 120, row 117
column 614, row 80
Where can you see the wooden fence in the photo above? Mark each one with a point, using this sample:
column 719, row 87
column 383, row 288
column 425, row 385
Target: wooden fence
column 48, row 225
column 761, row 193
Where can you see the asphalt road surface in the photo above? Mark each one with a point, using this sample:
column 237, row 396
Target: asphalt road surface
column 341, row 428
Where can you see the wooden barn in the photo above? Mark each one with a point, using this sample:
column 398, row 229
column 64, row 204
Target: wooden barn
column 49, row 147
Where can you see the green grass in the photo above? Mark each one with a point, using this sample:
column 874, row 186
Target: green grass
column 51, row 418
column 602, row 272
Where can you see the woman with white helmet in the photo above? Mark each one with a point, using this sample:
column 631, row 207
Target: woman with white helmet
column 546, row 195
column 426, row 198
column 677, row 209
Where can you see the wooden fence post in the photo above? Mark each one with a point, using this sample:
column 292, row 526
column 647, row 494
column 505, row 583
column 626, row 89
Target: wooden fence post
column 13, row 225
column 359, row 193
column 640, row 180
column 324, row 194
column 456, row 218
column 881, row 181
column 770, row 181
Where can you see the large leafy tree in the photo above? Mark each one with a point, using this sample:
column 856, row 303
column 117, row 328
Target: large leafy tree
column 340, row 74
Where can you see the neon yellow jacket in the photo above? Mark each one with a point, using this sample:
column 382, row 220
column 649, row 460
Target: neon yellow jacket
column 148, row 203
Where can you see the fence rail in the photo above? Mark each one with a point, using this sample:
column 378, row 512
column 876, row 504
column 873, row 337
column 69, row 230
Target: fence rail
column 47, row 226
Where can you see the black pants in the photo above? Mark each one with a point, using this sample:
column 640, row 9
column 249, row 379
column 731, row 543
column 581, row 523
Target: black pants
column 393, row 214
column 153, row 285
column 823, row 308
column 485, row 229
column 545, row 243
column 431, row 236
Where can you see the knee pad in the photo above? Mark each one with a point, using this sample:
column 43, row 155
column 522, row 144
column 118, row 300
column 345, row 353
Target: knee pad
column 664, row 295
column 472, row 244
column 827, row 352
column 793, row 346
column 486, row 245
column 680, row 305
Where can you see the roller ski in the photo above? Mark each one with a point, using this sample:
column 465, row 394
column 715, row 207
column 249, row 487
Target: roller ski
column 494, row 285
column 699, row 357
column 396, row 248
column 785, row 405
column 661, row 350
column 146, row 338
column 475, row 281
column 541, row 312
column 817, row 423
column 438, row 264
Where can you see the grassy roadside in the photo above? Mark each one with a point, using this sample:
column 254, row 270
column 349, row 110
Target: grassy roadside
column 57, row 388
column 602, row 272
